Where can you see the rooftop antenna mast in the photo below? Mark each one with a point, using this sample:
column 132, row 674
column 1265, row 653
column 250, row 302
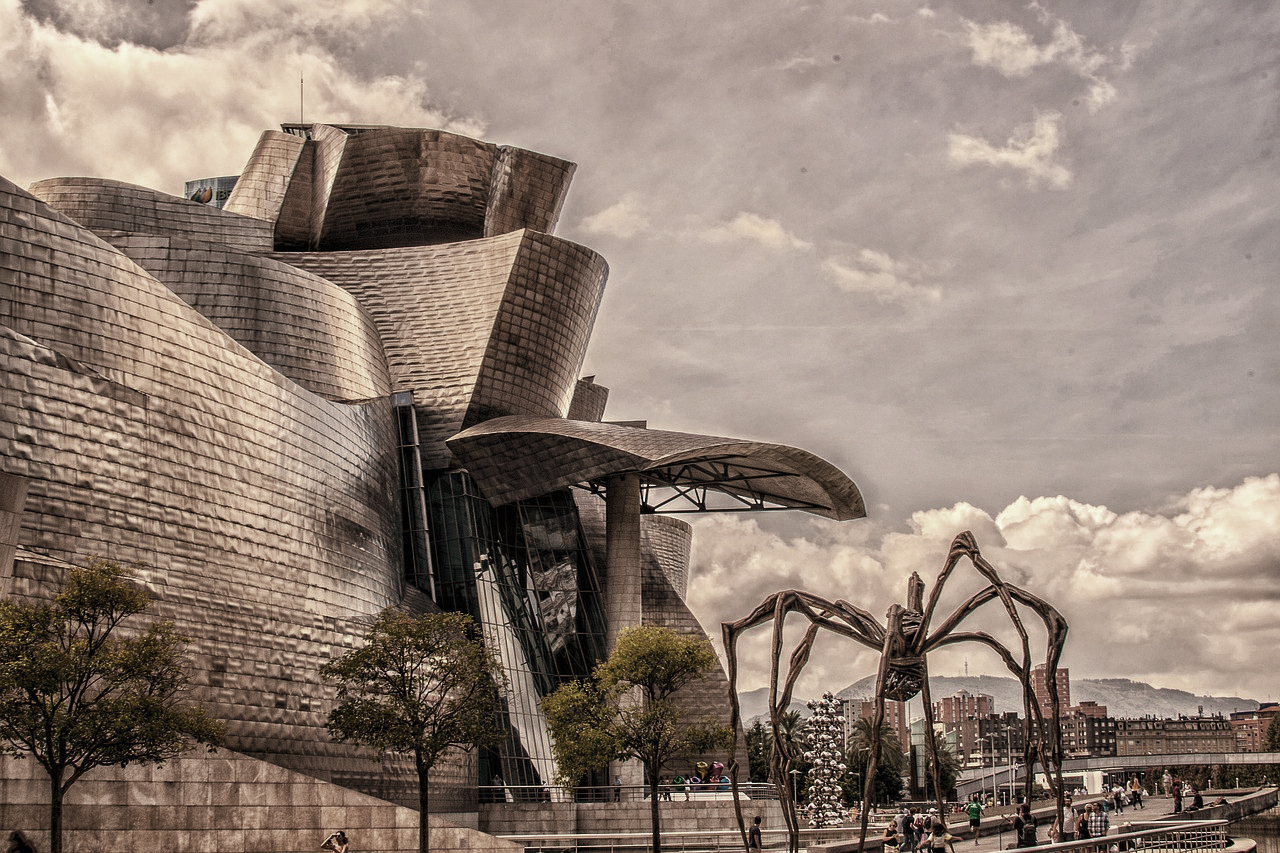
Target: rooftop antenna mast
column 302, row 81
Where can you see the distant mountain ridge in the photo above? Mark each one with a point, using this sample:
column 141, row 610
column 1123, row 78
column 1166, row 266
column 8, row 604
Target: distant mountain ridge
column 1121, row 696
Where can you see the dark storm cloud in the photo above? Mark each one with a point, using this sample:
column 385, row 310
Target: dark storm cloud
column 159, row 24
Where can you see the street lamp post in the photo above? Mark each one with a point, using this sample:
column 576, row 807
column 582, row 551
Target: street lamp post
column 795, row 786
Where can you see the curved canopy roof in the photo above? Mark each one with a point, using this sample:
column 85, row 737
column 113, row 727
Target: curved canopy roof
column 518, row 457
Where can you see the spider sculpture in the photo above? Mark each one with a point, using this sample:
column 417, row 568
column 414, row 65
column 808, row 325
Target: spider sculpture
column 904, row 642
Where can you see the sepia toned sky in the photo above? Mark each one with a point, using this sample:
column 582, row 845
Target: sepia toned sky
column 1011, row 266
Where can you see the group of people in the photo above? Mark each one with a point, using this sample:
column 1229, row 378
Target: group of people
column 1130, row 795
column 1089, row 821
column 918, row 831
column 1185, row 796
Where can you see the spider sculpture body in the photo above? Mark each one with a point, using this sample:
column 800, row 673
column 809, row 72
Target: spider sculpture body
column 904, row 642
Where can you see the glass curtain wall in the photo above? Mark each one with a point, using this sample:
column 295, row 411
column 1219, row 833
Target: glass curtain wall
column 523, row 572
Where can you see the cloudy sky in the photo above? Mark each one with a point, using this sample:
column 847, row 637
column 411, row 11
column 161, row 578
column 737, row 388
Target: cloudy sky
column 1011, row 266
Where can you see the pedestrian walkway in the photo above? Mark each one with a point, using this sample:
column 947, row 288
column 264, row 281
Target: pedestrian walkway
column 997, row 832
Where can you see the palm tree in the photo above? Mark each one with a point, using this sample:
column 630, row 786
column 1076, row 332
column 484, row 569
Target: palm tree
column 888, row 773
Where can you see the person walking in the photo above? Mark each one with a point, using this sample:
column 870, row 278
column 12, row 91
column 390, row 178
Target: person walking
column 906, row 831
column 939, row 838
column 1069, row 815
column 923, row 822
column 755, row 842
column 974, row 810
column 1024, row 826
column 1082, row 824
column 1099, row 823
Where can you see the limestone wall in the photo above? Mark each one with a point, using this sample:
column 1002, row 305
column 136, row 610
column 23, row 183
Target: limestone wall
column 220, row 803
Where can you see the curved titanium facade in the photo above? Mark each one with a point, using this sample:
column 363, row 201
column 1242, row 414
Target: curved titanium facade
column 309, row 329
column 103, row 206
column 333, row 189
column 266, row 513
column 473, row 329
column 261, row 403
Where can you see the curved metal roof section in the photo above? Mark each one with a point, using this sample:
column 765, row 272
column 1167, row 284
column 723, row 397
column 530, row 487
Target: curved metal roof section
column 517, row 457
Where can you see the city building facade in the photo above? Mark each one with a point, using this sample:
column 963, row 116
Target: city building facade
column 1250, row 727
column 1183, row 736
column 952, row 710
column 1040, row 689
column 1087, row 733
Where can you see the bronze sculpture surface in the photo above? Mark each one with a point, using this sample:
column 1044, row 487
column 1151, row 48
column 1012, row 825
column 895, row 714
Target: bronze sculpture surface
column 905, row 641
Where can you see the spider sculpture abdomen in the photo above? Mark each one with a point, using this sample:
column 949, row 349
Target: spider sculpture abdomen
column 904, row 671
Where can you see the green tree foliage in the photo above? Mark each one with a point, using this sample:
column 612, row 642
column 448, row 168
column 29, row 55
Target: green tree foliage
column 758, row 752
column 1271, row 741
column 82, row 686
column 635, row 715
column 580, row 718
column 790, row 746
column 417, row 687
column 888, row 782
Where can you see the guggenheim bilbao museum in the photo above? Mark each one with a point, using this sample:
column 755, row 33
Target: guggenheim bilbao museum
column 354, row 386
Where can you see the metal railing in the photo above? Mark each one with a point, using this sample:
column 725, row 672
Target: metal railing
column 621, row 793
column 684, row 841
column 1184, row 837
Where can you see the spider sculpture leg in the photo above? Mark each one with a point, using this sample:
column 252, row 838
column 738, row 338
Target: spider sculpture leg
column 839, row 617
column 1046, row 745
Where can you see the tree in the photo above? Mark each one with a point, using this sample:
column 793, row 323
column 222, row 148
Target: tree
column 758, row 752
column 418, row 687
column 634, row 716
column 80, row 688
column 792, row 763
column 1271, row 743
column 888, row 781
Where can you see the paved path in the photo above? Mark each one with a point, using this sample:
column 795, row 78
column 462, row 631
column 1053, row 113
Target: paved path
column 997, row 833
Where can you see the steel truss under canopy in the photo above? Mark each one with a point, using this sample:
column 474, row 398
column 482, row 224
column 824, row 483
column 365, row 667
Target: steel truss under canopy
column 727, row 484
column 517, row 457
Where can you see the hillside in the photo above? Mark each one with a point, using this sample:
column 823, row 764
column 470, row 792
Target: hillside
column 1121, row 696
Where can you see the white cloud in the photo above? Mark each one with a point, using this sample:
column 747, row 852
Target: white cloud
column 879, row 275
column 1154, row 596
column 180, row 113
column 797, row 63
column 1013, row 52
column 625, row 219
column 1032, row 150
column 752, row 228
